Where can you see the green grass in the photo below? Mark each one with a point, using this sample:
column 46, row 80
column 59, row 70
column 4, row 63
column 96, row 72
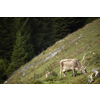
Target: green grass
column 83, row 41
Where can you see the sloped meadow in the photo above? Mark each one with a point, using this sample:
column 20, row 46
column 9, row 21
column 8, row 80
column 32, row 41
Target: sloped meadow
column 83, row 44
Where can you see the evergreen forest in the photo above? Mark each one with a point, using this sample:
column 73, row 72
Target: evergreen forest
column 23, row 38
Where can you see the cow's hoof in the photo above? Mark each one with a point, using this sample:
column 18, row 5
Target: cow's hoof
column 74, row 75
column 71, row 75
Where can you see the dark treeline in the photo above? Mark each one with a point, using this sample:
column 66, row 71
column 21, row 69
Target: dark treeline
column 23, row 38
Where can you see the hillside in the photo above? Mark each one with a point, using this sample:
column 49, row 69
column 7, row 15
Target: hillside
column 85, row 42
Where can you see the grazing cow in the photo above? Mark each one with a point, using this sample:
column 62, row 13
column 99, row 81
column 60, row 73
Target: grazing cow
column 49, row 73
column 71, row 64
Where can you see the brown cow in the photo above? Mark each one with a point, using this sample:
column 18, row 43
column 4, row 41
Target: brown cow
column 71, row 64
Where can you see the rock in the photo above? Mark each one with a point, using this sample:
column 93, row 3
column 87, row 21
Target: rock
column 96, row 74
column 23, row 74
column 90, row 80
column 49, row 73
column 93, row 53
column 31, row 66
column 93, row 70
column 76, row 42
column 84, row 56
column 5, row 82
column 80, row 36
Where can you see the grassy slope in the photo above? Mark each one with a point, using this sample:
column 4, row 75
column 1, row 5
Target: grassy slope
column 83, row 41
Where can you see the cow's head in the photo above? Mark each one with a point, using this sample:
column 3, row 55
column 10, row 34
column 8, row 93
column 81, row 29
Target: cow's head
column 83, row 70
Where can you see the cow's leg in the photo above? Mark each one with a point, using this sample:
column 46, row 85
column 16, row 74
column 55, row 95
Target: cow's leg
column 60, row 73
column 74, row 73
column 61, row 67
column 64, row 74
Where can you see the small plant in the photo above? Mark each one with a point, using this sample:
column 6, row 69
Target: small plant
column 36, row 82
column 43, row 52
column 50, row 78
column 30, row 78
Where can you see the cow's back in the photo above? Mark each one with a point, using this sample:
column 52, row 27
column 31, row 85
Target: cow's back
column 69, row 64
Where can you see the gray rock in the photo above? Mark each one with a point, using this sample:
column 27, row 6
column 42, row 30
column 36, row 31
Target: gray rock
column 93, row 70
column 90, row 80
column 23, row 74
column 96, row 74
column 5, row 82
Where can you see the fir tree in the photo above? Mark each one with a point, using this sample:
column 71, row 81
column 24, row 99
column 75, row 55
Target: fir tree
column 23, row 50
column 18, row 55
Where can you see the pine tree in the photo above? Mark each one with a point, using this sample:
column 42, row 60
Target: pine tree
column 23, row 50
column 18, row 55
column 6, row 37
column 3, row 67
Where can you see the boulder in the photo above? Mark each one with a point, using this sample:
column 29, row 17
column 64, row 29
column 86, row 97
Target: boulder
column 95, row 74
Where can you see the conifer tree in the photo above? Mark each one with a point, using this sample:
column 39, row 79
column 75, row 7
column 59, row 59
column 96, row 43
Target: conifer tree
column 18, row 55
column 3, row 66
column 23, row 50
